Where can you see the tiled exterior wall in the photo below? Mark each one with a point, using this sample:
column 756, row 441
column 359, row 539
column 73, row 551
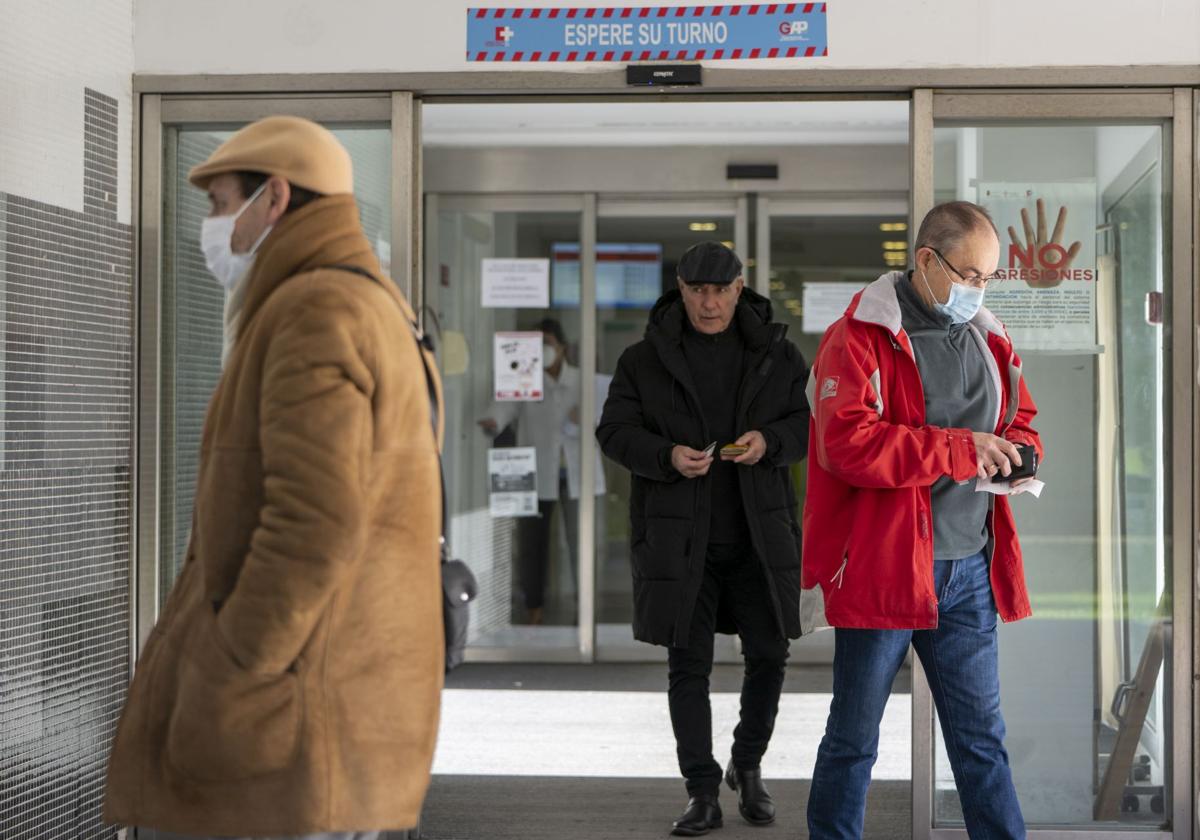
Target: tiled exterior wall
column 66, row 296
column 50, row 53
column 66, row 341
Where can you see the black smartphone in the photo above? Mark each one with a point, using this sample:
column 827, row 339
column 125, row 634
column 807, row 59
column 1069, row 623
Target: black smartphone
column 1029, row 464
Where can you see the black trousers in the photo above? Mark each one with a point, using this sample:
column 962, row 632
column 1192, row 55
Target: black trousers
column 534, row 543
column 734, row 577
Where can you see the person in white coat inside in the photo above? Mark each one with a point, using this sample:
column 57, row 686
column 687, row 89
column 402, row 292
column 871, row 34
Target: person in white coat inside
column 551, row 427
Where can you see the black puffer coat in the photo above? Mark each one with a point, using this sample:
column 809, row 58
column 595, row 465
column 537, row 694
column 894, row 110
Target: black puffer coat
column 653, row 405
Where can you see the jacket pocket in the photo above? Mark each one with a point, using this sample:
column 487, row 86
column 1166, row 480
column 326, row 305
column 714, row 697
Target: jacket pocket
column 230, row 724
column 664, row 554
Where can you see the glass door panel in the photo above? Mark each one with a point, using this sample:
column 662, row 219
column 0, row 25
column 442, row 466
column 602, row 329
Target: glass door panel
column 823, row 252
column 521, row 545
column 820, row 253
column 193, row 305
column 638, row 244
column 1083, row 215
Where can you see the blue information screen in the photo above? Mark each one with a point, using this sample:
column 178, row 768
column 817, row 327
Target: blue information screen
column 628, row 276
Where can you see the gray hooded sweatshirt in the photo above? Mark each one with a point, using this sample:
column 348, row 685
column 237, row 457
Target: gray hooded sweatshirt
column 960, row 394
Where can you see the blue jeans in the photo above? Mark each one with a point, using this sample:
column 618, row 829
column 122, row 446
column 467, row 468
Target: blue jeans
column 961, row 665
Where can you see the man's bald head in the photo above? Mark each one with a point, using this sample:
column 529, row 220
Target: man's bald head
column 946, row 226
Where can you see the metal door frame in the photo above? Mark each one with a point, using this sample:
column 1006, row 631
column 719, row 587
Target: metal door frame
column 1058, row 92
column 1185, row 386
column 1176, row 108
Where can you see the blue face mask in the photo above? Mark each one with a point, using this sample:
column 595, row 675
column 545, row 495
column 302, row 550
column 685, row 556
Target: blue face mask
column 964, row 301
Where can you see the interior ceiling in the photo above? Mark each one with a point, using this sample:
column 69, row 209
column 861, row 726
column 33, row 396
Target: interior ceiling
column 665, row 124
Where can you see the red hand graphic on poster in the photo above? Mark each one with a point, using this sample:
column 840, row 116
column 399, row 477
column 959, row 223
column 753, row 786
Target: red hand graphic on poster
column 1048, row 254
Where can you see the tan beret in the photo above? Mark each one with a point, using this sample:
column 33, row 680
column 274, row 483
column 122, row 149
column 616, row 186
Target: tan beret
column 305, row 154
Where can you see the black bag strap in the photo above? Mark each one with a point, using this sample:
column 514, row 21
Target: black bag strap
column 424, row 342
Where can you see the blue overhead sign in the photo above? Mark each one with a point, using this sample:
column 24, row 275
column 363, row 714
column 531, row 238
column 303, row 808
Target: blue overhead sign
column 651, row 33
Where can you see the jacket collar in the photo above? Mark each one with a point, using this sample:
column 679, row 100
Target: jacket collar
column 758, row 331
column 879, row 304
column 325, row 232
column 754, row 318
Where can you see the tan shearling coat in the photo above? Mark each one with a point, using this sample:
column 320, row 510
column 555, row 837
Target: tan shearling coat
column 292, row 683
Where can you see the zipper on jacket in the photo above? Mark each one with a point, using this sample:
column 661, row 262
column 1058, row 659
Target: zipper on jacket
column 840, row 575
column 962, row 366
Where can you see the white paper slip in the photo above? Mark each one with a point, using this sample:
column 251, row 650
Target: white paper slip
column 1004, row 488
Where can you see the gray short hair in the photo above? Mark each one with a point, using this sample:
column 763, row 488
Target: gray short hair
column 946, row 225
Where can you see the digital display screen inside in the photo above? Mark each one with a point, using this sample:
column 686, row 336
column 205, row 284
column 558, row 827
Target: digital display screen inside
column 628, row 276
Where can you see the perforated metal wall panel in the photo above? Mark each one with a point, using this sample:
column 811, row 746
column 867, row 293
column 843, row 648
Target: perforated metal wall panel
column 65, row 429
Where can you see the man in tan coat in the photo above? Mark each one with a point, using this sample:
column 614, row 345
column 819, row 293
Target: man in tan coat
column 291, row 686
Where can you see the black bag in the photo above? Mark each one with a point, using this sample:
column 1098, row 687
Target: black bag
column 459, row 590
column 458, row 582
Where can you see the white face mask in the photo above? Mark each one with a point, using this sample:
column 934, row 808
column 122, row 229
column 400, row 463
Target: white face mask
column 549, row 356
column 963, row 302
column 216, row 241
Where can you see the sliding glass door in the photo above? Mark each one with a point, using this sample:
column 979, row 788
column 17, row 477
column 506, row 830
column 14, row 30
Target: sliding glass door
column 1096, row 297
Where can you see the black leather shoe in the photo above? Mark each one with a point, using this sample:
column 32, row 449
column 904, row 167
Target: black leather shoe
column 754, row 803
column 702, row 815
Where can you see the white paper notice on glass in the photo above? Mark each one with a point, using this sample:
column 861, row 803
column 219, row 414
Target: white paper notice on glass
column 824, row 303
column 516, row 284
column 518, row 367
column 512, row 477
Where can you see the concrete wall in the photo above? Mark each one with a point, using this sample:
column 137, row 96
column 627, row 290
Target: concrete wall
column 309, row 36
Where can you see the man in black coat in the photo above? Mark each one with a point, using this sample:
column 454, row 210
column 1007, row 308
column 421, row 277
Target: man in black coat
column 715, row 541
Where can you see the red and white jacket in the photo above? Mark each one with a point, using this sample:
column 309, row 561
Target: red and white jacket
column 868, row 534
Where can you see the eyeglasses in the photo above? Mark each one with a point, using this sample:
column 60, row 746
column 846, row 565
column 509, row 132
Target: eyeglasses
column 979, row 281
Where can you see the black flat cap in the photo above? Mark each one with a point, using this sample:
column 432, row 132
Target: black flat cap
column 709, row 262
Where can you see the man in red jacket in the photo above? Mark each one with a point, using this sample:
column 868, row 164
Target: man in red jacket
column 916, row 396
